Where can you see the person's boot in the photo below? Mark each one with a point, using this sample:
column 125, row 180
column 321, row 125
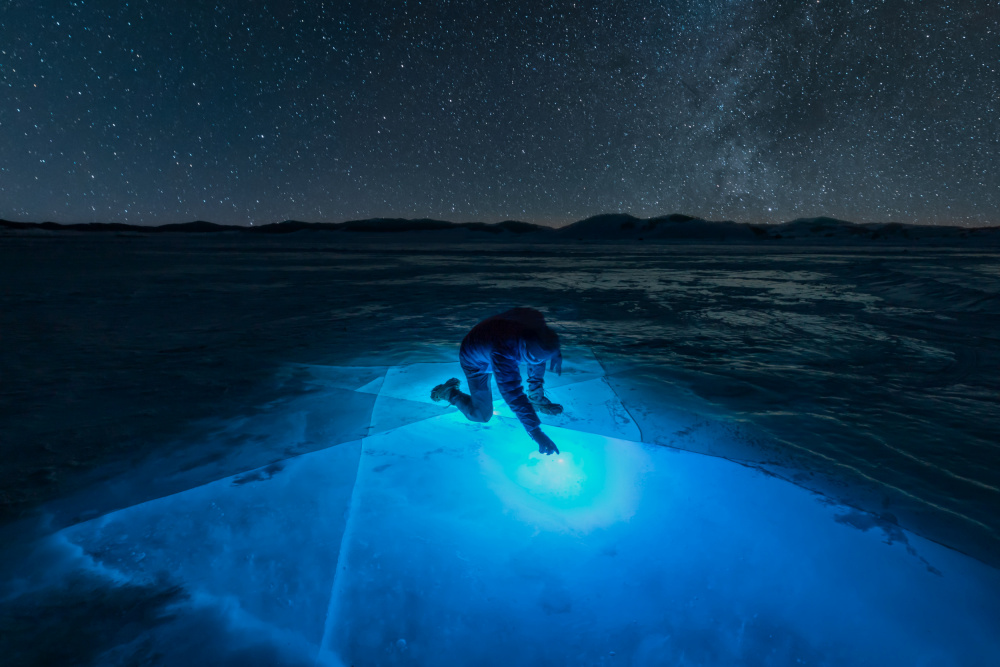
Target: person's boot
column 444, row 392
column 544, row 405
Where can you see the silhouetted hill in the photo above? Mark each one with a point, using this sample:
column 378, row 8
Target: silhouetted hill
column 606, row 228
column 196, row 226
column 839, row 231
column 676, row 227
column 372, row 225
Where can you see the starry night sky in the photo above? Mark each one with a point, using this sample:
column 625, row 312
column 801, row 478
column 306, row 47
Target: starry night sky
column 251, row 111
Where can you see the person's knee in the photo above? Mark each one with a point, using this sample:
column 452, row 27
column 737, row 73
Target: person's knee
column 481, row 416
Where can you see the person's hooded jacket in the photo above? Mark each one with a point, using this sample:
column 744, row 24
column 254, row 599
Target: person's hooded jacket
column 500, row 343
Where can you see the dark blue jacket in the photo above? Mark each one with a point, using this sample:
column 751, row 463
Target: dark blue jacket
column 499, row 344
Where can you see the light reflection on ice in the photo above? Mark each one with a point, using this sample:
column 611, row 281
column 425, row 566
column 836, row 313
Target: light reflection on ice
column 556, row 477
column 586, row 486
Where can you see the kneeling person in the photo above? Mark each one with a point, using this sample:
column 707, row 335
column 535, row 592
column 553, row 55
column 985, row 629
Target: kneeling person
column 498, row 345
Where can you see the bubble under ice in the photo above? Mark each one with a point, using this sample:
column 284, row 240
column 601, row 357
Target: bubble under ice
column 434, row 540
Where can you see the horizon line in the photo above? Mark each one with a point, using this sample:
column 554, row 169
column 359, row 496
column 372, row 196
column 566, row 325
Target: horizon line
column 678, row 217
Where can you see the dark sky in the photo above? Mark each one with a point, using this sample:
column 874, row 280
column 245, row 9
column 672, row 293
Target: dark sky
column 244, row 110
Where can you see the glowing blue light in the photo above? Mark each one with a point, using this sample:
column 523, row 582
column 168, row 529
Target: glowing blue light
column 555, row 478
column 594, row 482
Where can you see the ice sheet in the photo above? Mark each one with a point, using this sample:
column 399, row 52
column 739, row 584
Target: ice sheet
column 261, row 546
column 436, row 540
column 463, row 547
column 366, row 379
column 391, row 412
column 318, row 416
column 115, row 346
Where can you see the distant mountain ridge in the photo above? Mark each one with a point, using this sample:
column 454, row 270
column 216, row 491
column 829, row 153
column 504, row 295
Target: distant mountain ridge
column 370, row 225
column 606, row 228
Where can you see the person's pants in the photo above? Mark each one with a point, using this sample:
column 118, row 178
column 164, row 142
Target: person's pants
column 477, row 405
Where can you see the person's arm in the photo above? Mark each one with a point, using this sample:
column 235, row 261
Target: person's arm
column 509, row 383
column 536, row 382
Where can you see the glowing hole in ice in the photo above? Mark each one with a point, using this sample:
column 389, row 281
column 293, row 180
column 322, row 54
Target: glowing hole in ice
column 594, row 482
column 554, row 477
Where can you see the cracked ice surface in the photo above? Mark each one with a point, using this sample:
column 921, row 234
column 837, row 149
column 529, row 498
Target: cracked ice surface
column 433, row 540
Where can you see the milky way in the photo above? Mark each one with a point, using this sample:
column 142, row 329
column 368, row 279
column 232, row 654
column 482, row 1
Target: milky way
column 249, row 111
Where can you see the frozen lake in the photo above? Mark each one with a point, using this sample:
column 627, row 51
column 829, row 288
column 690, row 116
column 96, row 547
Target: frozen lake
column 769, row 456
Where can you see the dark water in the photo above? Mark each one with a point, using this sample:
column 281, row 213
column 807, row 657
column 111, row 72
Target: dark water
column 870, row 375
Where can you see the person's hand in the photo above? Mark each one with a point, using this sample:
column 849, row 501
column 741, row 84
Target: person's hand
column 545, row 444
column 555, row 363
